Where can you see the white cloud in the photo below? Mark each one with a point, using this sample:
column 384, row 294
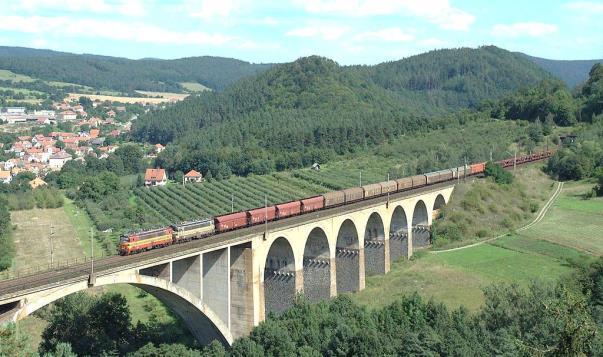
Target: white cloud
column 114, row 30
column 214, row 9
column 122, row 7
column 439, row 12
column 393, row 34
column 531, row 29
column 326, row 32
column 586, row 7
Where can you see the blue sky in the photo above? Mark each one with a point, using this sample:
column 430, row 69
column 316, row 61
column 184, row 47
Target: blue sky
column 348, row 31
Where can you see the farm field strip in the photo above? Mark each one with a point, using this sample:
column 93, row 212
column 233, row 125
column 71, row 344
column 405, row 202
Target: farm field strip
column 272, row 181
column 156, row 204
column 230, row 190
column 223, row 199
column 165, row 200
column 154, row 212
column 186, row 204
column 206, row 203
column 261, row 192
column 297, row 182
column 288, row 195
column 218, row 203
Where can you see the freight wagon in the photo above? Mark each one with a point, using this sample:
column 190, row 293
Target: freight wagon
column 187, row 231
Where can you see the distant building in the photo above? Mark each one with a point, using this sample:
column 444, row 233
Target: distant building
column 316, row 166
column 155, row 177
column 37, row 182
column 193, row 176
column 159, row 148
column 5, row 177
column 97, row 141
column 56, row 161
column 67, row 115
column 13, row 110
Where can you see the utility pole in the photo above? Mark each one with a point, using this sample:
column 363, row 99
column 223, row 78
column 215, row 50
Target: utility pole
column 91, row 252
column 387, row 204
column 514, row 160
column 266, row 216
column 51, row 246
column 232, row 202
column 360, row 177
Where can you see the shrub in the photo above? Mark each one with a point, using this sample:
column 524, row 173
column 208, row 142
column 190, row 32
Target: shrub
column 498, row 173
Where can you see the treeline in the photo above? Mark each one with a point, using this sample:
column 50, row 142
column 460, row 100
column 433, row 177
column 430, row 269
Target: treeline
column 552, row 100
column 7, row 249
column 563, row 319
column 583, row 158
column 126, row 75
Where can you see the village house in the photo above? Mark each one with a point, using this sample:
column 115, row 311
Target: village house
column 56, row 161
column 193, row 176
column 155, row 177
column 159, row 148
column 5, row 177
column 37, row 182
column 67, row 115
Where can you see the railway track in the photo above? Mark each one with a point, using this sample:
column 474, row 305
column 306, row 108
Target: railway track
column 80, row 272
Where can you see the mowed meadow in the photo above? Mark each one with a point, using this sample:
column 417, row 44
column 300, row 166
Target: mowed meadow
column 569, row 235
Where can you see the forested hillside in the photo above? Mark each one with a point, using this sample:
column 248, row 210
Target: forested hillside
column 312, row 109
column 458, row 78
column 572, row 72
column 123, row 74
column 286, row 117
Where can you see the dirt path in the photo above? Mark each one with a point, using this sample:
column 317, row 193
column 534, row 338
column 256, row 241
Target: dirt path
column 538, row 218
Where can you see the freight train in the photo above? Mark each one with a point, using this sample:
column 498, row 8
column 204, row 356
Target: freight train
column 187, row 231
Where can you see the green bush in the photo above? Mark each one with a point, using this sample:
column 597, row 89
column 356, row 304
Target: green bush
column 498, row 173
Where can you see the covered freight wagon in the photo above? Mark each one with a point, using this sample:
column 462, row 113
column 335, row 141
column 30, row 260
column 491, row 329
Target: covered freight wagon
column 230, row 221
column 419, row 181
column 353, row 194
column 334, row 198
column 312, row 204
column 259, row 215
column 404, row 183
column 371, row 190
column 478, row 168
column 288, row 209
column 438, row 176
column 389, row 186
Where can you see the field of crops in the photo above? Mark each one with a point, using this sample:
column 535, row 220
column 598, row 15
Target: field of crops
column 176, row 202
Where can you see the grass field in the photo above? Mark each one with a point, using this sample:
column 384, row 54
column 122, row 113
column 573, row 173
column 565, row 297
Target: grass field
column 571, row 233
column 71, row 239
column 166, row 97
column 573, row 221
column 32, row 237
column 194, row 86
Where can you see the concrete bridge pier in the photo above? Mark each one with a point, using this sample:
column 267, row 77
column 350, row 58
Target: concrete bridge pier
column 375, row 246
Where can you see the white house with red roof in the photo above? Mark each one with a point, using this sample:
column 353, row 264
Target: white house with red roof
column 155, row 177
column 193, row 176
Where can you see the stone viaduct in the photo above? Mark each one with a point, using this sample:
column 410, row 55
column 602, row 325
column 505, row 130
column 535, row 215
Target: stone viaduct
column 224, row 285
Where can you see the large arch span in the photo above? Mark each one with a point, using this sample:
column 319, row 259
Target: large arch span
column 202, row 322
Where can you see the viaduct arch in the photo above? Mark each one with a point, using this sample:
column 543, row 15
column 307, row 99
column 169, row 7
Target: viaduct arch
column 222, row 286
column 203, row 323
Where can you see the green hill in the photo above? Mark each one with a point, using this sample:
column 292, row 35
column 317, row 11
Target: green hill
column 458, row 78
column 572, row 72
column 312, row 109
column 126, row 75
